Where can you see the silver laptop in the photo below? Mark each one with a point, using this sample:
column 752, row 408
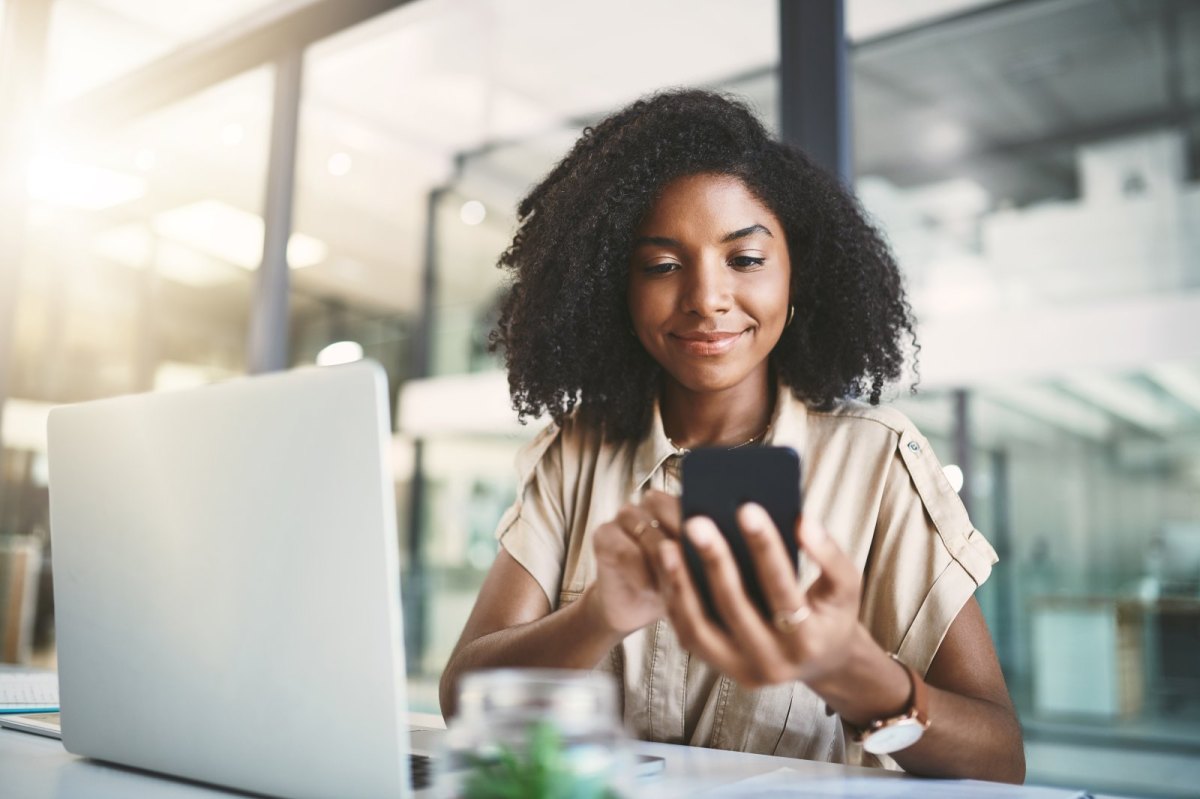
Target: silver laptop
column 227, row 584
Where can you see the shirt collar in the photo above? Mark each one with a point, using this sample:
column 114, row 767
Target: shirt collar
column 789, row 424
column 652, row 450
column 789, row 427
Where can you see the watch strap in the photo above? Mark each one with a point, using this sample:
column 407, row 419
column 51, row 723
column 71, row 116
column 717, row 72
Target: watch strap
column 917, row 709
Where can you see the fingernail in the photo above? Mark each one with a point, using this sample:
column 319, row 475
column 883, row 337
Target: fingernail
column 757, row 518
column 812, row 532
column 700, row 533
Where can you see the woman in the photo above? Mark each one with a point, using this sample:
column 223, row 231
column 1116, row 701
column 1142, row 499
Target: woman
column 682, row 280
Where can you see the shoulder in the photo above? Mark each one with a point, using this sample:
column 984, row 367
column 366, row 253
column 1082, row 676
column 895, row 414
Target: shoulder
column 858, row 417
column 564, row 447
column 909, row 475
column 879, row 452
column 863, row 428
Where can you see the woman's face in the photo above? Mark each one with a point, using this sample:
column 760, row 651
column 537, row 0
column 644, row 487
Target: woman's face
column 708, row 283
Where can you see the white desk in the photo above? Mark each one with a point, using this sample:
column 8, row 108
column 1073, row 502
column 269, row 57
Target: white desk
column 34, row 767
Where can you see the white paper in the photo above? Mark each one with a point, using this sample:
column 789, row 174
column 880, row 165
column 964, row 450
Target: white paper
column 787, row 782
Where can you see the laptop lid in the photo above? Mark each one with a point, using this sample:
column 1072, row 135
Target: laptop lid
column 227, row 583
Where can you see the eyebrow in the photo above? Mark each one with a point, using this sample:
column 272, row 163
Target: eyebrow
column 664, row 241
column 744, row 232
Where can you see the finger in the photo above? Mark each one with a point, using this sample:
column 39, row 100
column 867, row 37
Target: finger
column 666, row 509
column 695, row 631
column 641, row 528
column 614, row 547
column 725, row 583
column 839, row 579
column 774, row 565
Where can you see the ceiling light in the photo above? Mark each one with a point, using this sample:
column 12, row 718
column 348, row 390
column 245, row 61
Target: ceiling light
column 304, row 251
column 129, row 245
column 88, row 188
column 231, row 234
column 232, row 134
column 473, row 212
column 135, row 246
column 339, row 164
column 945, row 139
column 182, row 264
column 145, row 159
column 340, row 352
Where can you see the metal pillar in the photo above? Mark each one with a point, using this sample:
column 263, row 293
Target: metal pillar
column 1007, row 588
column 814, row 113
column 415, row 588
column 268, row 345
column 962, row 443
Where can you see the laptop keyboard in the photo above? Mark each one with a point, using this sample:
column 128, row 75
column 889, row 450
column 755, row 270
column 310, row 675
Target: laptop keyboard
column 421, row 766
column 422, row 770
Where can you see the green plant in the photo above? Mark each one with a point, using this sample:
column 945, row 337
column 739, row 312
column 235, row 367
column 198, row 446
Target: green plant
column 544, row 772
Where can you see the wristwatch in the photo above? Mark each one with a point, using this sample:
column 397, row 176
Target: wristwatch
column 884, row 736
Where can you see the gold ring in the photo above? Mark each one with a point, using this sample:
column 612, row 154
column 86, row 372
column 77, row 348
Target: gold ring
column 786, row 621
column 641, row 526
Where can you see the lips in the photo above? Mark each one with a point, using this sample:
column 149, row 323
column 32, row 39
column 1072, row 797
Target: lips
column 716, row 342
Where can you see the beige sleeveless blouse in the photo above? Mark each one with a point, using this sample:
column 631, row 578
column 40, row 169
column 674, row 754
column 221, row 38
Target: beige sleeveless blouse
column 868, row 475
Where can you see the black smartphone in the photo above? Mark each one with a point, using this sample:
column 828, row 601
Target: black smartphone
column 716, row 482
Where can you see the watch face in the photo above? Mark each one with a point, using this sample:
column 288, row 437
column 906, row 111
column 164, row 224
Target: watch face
column 894, row 737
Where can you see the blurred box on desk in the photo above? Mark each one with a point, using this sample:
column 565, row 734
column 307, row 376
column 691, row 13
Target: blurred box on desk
column 20, row 567
column 1088, row 656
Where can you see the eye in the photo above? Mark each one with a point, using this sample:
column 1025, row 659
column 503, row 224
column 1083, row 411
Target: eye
column 747, row 261
column 660, row 269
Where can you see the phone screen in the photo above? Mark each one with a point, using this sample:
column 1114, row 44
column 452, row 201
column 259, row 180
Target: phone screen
column 716, row 482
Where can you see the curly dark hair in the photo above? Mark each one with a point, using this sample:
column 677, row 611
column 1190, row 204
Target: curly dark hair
column 565, row 326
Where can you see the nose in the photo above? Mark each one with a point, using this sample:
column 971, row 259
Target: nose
column 708, row 289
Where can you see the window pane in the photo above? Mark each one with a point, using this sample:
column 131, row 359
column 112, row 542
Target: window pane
column 137, row 271
column 1026, row 158
column 1031, row 167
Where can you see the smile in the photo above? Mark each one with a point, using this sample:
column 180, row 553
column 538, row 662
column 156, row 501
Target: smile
column 707, row 344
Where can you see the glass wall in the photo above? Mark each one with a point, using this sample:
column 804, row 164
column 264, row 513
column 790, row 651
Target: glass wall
column 419, row 130
column 1035, row 156
column 1035, row 167
column 137, row 271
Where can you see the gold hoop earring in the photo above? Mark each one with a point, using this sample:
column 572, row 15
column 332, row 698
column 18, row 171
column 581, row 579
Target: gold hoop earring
column 791, row 316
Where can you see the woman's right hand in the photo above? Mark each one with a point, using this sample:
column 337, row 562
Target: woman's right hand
column 625, row 596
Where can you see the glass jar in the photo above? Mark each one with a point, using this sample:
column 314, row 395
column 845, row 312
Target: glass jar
column 536, row 733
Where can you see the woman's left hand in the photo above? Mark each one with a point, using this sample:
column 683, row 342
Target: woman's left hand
column 811, row 632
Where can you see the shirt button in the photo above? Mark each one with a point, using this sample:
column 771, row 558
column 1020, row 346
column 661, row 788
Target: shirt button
column 914, row 446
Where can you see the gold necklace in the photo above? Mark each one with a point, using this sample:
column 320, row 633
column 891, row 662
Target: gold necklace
column 745, row 443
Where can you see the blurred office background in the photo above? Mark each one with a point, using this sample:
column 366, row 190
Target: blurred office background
column 194, row 191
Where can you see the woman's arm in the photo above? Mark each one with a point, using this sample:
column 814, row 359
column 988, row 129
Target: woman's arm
column 974, row 731
column 512, row 623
